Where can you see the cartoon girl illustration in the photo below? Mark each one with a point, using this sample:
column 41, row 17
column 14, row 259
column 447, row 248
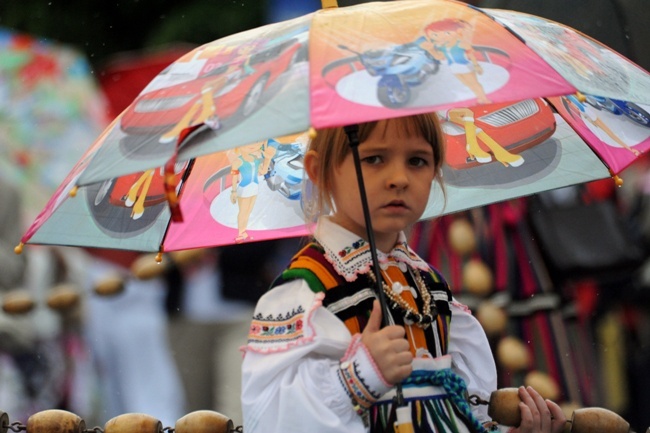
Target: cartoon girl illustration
column 248, row 163
column 450, row 40
column 589, row 114
column 464, row 117
column 203, row 111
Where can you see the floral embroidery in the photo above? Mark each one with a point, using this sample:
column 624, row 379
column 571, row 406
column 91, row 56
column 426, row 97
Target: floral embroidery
column 350, row 249
column 280, row 328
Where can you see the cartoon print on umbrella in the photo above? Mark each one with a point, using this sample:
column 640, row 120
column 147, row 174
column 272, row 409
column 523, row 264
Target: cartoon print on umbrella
column 445, row 50
column 278, row 162
column 635, row 112
column 131, row 195
column 585, row 63
column 216, row 85
column 248, row 163
column 589, row 114
column 203, row 110
column 450, row 42
column 464, row 117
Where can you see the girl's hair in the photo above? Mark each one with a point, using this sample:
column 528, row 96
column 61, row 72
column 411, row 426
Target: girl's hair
column 332, row 146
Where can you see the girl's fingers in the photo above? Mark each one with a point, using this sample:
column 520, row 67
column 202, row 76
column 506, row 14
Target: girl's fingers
column 527, row 424
column 559, row 419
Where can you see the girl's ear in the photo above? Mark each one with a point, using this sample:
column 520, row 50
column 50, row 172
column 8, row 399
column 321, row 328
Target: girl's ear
column 311, row 162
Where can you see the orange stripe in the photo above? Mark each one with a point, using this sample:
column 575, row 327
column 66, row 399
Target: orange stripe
column 321, row 272
column 353, row 325
column 394, row 274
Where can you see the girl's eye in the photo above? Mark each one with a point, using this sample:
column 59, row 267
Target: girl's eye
column 419, row 162
column 373, row 159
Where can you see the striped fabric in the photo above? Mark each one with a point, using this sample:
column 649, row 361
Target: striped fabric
column 352, row 301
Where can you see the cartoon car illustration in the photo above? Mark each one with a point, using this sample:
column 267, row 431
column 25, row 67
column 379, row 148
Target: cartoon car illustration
column 285, row 173
column 177, row 89
column 129, row 204
column 616, row 106
column 514, row 127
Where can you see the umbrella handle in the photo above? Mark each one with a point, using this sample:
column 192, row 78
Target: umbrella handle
column 352, row 132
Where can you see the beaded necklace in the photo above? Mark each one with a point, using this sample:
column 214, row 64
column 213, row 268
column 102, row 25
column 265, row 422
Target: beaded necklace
column 411, row 316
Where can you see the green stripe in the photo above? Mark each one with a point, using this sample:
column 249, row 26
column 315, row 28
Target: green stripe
column 312, row 280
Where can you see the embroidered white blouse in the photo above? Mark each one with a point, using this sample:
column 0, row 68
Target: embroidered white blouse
column 292, row 362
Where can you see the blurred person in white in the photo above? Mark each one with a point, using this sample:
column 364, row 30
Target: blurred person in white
column 15, row 338
column 128, row 333
column 210, row 304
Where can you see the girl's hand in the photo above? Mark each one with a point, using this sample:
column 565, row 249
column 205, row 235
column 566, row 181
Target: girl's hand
column 388, row 347
column 538, row 415
column 233, row 197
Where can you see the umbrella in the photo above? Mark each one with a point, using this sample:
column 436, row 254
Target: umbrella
column 50, row 110
column 527, row 105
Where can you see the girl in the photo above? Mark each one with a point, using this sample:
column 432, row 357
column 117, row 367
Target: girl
column 317, row 357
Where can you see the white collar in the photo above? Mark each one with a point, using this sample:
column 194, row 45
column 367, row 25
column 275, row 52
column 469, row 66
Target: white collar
column 350, row 255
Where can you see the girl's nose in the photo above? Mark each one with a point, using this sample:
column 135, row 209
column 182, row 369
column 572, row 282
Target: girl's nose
column 398, row 177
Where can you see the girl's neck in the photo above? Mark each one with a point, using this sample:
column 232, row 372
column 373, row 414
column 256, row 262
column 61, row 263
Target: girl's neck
column 385, row 242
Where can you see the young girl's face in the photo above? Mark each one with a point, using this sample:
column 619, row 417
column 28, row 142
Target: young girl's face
column 442, row 36
column 398, row 170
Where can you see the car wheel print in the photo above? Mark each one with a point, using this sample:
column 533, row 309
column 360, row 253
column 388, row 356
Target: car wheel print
column 104, row 191
column 115, row 220
column 254, row 95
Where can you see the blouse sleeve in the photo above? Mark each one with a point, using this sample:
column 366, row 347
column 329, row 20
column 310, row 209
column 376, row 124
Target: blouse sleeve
column 472, row 356
column 290, row 371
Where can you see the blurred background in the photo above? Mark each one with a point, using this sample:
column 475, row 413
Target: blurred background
column 92, row 332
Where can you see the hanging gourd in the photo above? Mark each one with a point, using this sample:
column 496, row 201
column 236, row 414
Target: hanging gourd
column 492, row 318
column 513, row 354
column 544, row 384
column 462, row 239
column 477, row 278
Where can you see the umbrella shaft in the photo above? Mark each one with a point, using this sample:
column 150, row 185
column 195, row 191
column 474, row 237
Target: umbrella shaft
column 353, row 137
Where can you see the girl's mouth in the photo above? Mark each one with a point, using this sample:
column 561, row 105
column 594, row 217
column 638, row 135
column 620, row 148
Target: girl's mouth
column 396, row 204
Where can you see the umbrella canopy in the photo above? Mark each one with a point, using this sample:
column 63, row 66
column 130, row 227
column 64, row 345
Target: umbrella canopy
column 527, row 105
column 50, row 109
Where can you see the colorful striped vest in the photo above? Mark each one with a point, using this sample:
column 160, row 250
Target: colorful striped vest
column 352, row 301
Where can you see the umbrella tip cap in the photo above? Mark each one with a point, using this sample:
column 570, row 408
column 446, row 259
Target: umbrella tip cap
column 312, row 133
column 617, row 179
column 18, row 249
column 159, row 257
column 73, row 191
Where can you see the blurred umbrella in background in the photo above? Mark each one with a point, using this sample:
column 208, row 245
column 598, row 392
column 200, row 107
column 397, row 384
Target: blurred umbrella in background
column 50, row 108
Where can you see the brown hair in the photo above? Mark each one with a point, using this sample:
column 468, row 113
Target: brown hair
column 332, row 146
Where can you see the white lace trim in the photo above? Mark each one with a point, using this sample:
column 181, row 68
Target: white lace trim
column 350, row 255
